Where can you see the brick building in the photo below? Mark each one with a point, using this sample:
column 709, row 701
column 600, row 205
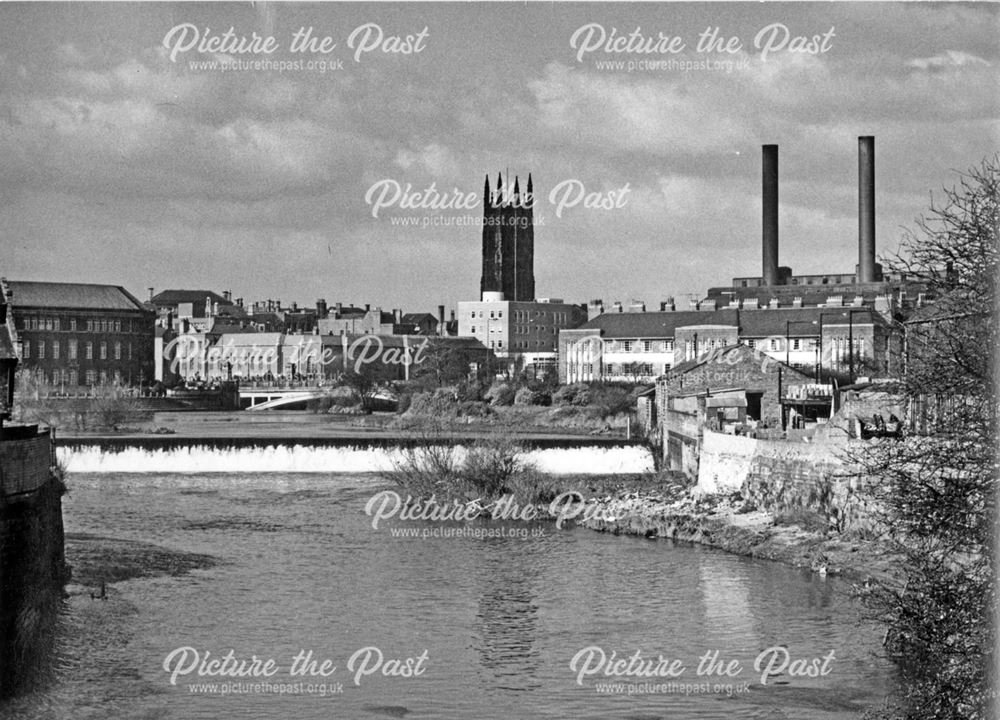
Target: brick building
column 730, row 386
column 74, row 334
column 641, row 346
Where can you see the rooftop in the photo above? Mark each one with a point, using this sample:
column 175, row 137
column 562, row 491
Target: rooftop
column 83, row 296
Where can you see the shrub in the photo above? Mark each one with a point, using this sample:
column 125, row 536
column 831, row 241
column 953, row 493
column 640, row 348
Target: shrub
column 527, row 396
column 500, row 394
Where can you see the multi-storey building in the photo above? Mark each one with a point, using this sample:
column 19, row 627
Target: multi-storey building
column 641, row 346
column 528, row 331
column 82, row 334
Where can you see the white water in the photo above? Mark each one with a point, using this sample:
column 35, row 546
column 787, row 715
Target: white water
column 310, row 459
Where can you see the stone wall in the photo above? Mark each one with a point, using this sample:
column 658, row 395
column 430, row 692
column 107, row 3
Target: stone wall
column 24, row 462
column 33, row 569
column 781, row 476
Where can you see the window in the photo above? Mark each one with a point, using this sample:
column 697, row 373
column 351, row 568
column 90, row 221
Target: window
column 104, row 376
column 26, row 351
column 668, row 345
column 774, row 343
column 55, row 349
column 130, row 351
column 73, row 378
column 627, row 345
column 118, row 325
column 89, row 353
column 91, row 377
column 751, row 343
column 472, row 329
column 118, row 351
column 41, row 349
column 72, row 327
column 647, row 346
column 104, row 351
column 500, row 313
column 71, row 349
column 795, row 344
column 56, row 324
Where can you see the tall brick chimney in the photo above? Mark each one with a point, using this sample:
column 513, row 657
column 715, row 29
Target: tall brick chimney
column 770, row 214
column 866, row 209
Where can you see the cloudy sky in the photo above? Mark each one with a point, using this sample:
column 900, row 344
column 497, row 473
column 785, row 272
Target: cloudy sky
column 128, row 159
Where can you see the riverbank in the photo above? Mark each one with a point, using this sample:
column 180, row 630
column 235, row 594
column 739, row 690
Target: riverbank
column 729, row 524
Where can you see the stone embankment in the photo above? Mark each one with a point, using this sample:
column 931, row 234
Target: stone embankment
column 728, row 524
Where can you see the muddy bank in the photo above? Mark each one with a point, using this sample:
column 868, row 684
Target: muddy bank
column 728, row 525
column 98, row 560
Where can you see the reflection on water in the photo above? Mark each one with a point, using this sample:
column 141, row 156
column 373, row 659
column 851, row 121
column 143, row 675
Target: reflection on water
column 507, row 622
column 299, row 567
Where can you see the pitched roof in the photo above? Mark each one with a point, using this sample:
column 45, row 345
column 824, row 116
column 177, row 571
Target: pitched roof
column 85, row 296
column 763, row 322
column 657, row 324
column 175, row 297
column 802, row 322
column 412, row 318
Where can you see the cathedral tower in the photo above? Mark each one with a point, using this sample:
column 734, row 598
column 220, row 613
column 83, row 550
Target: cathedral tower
column 508, row 241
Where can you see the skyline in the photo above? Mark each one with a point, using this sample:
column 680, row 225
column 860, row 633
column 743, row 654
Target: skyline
column 129, row 168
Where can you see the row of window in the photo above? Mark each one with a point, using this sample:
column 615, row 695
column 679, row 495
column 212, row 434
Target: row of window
column 68, row 376
column 105, row 325
column 40, row 349
column 618, row 369
column 523, row 315
column 636, row 345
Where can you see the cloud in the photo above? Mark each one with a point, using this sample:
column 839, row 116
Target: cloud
column 949, row 59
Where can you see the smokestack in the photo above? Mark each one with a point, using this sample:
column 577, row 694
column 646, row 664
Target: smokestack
column 770, row 224
column 442, row 328
column 866, row 209
column 321, row 309
column 150, row 294
column 397, row 316
column 227, row 295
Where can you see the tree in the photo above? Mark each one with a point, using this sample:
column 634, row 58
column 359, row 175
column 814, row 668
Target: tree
column 937, row 486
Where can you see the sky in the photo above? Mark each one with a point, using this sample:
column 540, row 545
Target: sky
column 135, row 153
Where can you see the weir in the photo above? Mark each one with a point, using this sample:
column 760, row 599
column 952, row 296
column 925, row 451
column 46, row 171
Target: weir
column 342, row 455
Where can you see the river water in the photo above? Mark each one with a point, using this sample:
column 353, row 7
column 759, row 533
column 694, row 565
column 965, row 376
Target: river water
column 490, row 624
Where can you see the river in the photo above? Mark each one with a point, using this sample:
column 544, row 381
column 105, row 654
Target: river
column 487, row 626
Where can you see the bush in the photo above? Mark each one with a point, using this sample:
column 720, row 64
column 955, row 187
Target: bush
column 492, row 467
column 527, row 396
column 610, row 400
column 576, row 394
column 500, row 394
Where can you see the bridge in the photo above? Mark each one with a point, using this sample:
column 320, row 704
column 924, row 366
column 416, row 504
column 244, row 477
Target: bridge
column 268, row 398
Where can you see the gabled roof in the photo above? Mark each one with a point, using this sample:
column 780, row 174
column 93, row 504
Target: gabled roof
column 84, row 296
column 175, row 297
column 414, row 318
